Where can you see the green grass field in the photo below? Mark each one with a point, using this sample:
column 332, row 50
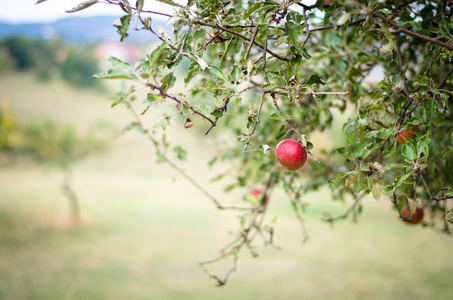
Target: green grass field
column 145, row 229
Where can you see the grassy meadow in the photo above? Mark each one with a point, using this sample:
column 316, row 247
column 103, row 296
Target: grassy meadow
column 144, row 228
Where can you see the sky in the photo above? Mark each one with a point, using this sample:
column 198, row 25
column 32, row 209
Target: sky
column 27, row 11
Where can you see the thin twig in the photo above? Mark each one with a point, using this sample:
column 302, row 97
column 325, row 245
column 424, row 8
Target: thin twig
column 444, row 80
column 181, row 103
column 143, row 11
column 167, row 159
column 335, row 26
column 242, row 37
column 410, row 32
column 257, row 120
column 305, row 93
column 222, row 109
column 251, row 42
column 429, row 192
column 245, row 237
column 307, row 30
column 348, row 211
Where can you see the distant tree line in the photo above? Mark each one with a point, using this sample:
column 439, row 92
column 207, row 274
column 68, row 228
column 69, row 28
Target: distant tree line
column 49, row 58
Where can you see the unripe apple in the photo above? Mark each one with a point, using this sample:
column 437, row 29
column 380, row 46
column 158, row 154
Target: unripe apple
column 256, row 192
column 257, row 196
column 403, row 136
column 291, row 154
column 418, row 214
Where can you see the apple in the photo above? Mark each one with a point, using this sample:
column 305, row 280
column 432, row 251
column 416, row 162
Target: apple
column 256, row 193
column 327, row 4
column 291, row 154
column 403, row 136
column 257, row 196
column 418, row 215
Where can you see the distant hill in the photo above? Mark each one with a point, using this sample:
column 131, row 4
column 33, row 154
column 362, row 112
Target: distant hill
column 79, row 30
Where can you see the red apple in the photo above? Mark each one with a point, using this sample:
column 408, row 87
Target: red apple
column 418, row 215
column 403, row 136
column 291, row 154
column 327, row 4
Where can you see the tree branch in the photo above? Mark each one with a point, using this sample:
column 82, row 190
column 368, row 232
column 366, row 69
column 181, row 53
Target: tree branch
column 410, row 32
column 242, row 37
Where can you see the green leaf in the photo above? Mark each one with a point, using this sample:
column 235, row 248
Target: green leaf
column 393, row 166
column 235, row 73
column 81, row 6
column 160, row 157
column 163, row 33
column 203, row 108
column 294, row 31
column 338, row 177
column 242, row 220
column 422, row 145
column 305, row 53
column 376, row 189
column 280, row 136
column 180, row 152
column 168, row 81
column 387, row 48
column 409, row 152
column 218, row 72
column 447, row 152
column 388, row 189
column 314, row 79
column 400, row 179
column 451, row 138
column 280, row 117
column 116, row 62
column 217, row 178
column 40, row 1
column 151, row 98
column 343, row 19
column 358, row 184
column 139, row 5
column 115, row 74
column 170, row 2
column 217, row 113
column 156, row 55
column 123, row 26
column 191, row 73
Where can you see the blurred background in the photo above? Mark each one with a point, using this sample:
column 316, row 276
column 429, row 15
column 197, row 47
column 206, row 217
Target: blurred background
column 86, row 213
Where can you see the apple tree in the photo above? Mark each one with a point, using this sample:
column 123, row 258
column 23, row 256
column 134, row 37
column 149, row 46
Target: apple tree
column 264, row 71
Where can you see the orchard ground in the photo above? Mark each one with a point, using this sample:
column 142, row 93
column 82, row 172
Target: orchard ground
column 144, row 228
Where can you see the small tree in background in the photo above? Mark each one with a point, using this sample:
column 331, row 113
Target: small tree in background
column 272, row 70
column 49, row 142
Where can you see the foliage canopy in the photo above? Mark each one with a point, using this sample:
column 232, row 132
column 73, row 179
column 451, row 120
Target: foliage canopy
column 269, row 70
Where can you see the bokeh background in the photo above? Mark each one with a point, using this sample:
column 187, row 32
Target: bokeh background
column 87, row 213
